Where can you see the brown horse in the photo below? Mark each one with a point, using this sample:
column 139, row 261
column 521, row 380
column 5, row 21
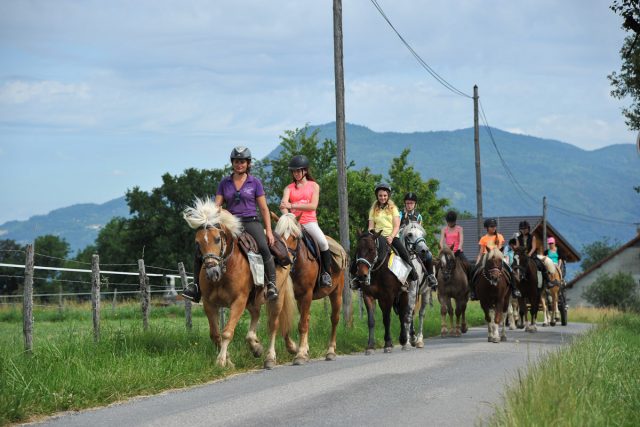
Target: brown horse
column 452, row 283
column 304, row 273
column 493, row 292
column 226, row 281
column 527, row 276
column 377, row 282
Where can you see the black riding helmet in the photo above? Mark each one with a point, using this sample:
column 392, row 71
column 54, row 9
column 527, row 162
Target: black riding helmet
column 411, row 196
column 382, row 186
column 523, row 225
column 241, row 152
column 490, row 222
column 298, row 162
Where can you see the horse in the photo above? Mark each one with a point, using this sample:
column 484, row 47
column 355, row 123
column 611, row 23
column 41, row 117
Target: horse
column 452, row 283
column 492, row 289
column 378, row 282
column 526, row 274
column 226, row 281
column 419, row 293
column 553, row 290
column 304, row 273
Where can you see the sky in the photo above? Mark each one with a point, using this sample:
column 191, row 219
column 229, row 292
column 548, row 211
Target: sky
column 98, row 97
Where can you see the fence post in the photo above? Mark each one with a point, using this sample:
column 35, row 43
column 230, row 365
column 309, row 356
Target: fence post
column 361, row 302
column 113, row 303
column 27, row 301
column 187, row 303
column 144, row 294
column 222, row 318
column 60, row 301
column 95, row 295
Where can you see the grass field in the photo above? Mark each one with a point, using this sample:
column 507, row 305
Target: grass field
column 68, row 371
column 593, row 382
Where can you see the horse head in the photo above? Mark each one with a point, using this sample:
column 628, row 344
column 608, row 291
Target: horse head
column 493, row 266
column 447, row 262
column 520, row 263
column 413, row 236
column 288, row 227
column 366, row 256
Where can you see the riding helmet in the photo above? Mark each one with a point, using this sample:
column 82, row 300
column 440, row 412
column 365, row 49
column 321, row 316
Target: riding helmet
column 241, row 152
column 382, row 186
column 523, row 225
column 411, row 196
column 452, row 216
column 298, row 162
column 490, row 222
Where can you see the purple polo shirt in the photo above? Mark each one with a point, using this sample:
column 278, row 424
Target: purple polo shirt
column 242, row 204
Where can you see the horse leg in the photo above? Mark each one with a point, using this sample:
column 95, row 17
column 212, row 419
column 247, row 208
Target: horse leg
column 488, row 317
column 304, row 306
column 554, row 306
column 336, row 306
column 386, row 320
column 214, row 330
column 503, row 332
column 443, row 315
column 511, row 317
column 423, row 308
column 405, row 313
column 369, row 303
column 463, row 309
column 458, row 314
column 235, row 311
column 522, row 309
column 545, row 311
column 452, row 330
column 252, row 336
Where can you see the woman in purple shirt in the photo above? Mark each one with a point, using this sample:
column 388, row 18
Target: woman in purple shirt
column 243, row 194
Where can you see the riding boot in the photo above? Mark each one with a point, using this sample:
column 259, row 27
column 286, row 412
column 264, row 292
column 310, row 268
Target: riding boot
column 192, row 290
column 431, row 278
column 515, row 292
column 270, row 269
column 325, row 276
column 402, row 251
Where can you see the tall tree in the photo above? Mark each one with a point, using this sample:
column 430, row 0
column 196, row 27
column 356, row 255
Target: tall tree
column 11, row 278
column 596, row 251
column 50, row 251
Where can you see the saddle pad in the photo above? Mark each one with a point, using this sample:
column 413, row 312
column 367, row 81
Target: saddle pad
column 398, row 267
column 247, row 243
column 314, row 251
column 257, row 268
column 338, row 254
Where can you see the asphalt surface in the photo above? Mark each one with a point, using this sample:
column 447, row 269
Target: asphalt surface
column 450, row 382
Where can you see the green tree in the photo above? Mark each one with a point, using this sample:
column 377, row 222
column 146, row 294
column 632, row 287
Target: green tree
column 49, row 251
column 11, row 278
column 620, row 291
column 405, row 178
column 596, row 251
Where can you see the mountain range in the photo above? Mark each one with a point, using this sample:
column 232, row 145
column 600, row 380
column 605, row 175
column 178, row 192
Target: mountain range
column 590, row 194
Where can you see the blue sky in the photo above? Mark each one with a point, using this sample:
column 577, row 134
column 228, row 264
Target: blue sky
column 97, row 97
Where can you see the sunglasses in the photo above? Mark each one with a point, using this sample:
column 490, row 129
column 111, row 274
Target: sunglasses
column 236, row 197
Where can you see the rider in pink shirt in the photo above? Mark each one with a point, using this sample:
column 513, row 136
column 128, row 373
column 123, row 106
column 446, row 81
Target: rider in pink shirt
column 453, row 234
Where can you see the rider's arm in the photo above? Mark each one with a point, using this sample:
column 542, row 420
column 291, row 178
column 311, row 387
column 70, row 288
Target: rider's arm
column 284, row 204
column 533, row 246
column 266, row 219
column 396, row 228
column 461, row 240
column 219, row 200
column 441, row 238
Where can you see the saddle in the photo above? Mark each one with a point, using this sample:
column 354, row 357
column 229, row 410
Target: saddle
column 279, row 248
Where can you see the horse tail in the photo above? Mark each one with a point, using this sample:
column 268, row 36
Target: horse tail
column 287, row 313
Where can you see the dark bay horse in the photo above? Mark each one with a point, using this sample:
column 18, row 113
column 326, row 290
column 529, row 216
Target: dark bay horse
column 226, row 281
column 452, row 284
column 492, row 289
column 304, row 273
column 527, row 277
column 377, row 282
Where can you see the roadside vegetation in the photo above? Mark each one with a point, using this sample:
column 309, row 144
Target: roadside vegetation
column 593, row 382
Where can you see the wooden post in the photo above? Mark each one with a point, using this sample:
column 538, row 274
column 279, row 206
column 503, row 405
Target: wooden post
column 343, row 203
column 222, row 320
column 113, row 303
column 545, row 246
column 144, row 294
column 476, row 143
column 60, row 300
column 27, row 301
column 187, row 303
column 95, row 295
column 361, row 302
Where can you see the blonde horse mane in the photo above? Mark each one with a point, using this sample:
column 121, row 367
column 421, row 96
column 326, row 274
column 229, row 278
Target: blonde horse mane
column 288, row 225
column 205, row 213
column 494, row 253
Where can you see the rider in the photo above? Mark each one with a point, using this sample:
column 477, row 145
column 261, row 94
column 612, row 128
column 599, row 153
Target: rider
column 301, row 198
column 408, row 215
column 384, row 217
column 554, row 254
column 242, row 193
column 453, row 234
column 528, row 241
column 489, row 241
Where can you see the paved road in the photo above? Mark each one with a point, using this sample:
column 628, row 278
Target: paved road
column 452, row 381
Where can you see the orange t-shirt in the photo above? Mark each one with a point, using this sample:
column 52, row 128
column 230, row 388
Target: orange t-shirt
column 488, row 242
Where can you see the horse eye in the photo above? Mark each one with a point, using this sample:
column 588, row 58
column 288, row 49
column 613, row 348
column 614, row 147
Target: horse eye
column 216, row 239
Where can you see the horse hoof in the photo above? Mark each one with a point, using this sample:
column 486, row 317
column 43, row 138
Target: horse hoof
column 545, row 325
column 553, row 323
column 443, row 334
column 495, row 340
column 512, row 328
column 520, row 326
column 458, row 334
column 488, row 339
column 299, row 361
column 257, row 350
column 269, row 364
column 406, row 347
column 330, row 357
column 503, row 338
column 420, row 344
column 464, row 329
column 388, row 349
column 369, row 352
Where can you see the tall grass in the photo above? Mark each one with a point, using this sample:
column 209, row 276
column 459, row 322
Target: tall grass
column 593, row 382
column 68, row 371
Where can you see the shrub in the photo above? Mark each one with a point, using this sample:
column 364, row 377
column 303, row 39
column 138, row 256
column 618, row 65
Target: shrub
column 619, row 290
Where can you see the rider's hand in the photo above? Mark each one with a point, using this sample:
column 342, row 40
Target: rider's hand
column 270, row 238
column 389, row 239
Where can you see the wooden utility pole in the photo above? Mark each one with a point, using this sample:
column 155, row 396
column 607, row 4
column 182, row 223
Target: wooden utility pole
column 476, row 142
column 544, row 223
column 343, row 204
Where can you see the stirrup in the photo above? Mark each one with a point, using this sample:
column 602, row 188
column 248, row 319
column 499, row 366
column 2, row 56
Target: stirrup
column 271, row 292
column 192, row 293
column 325, row 280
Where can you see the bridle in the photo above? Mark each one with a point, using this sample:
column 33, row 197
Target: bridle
column 211, row 259
column 371, row 265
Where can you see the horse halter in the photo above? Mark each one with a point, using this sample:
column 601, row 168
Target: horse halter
column 494, row 273
column 371, row 265
column 221, row 259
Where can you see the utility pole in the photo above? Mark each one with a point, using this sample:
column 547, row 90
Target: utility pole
column 343, row 204
column 544, row 223
column 476, row 142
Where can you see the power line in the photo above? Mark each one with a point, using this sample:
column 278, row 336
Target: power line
column 421, row 61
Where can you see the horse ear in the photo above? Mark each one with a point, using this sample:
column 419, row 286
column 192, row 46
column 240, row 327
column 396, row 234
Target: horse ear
column 451, row 246
column 274, row 216
column 358, row 231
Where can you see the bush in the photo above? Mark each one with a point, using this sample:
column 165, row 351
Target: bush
column 620, row 291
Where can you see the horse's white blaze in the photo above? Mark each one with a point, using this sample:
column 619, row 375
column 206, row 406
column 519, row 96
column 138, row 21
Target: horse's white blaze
column 443, row 260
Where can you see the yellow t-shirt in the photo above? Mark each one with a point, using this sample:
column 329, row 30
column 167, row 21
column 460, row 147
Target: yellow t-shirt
column 383, row 220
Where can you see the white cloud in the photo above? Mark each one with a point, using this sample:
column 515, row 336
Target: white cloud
column 20, row 92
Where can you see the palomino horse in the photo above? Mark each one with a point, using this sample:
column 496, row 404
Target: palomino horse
column 526, row 274
column 553, row 289
column 419, row 292
column 452, row 283
column 377, row 282
column 226, row 281
column 493, row 292
column 304, row 272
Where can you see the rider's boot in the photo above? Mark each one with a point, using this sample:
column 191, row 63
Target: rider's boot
column 402, row 251
column 325, row 276
column 192, row 290
column 431, row 278
column 272, row 290
column 515, row 292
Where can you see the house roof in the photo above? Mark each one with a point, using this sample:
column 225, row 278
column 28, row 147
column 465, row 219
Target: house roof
column 508, row 226
column 633, row 242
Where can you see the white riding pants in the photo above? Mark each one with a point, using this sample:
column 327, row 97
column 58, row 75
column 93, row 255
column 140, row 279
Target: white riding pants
column 314, row 229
